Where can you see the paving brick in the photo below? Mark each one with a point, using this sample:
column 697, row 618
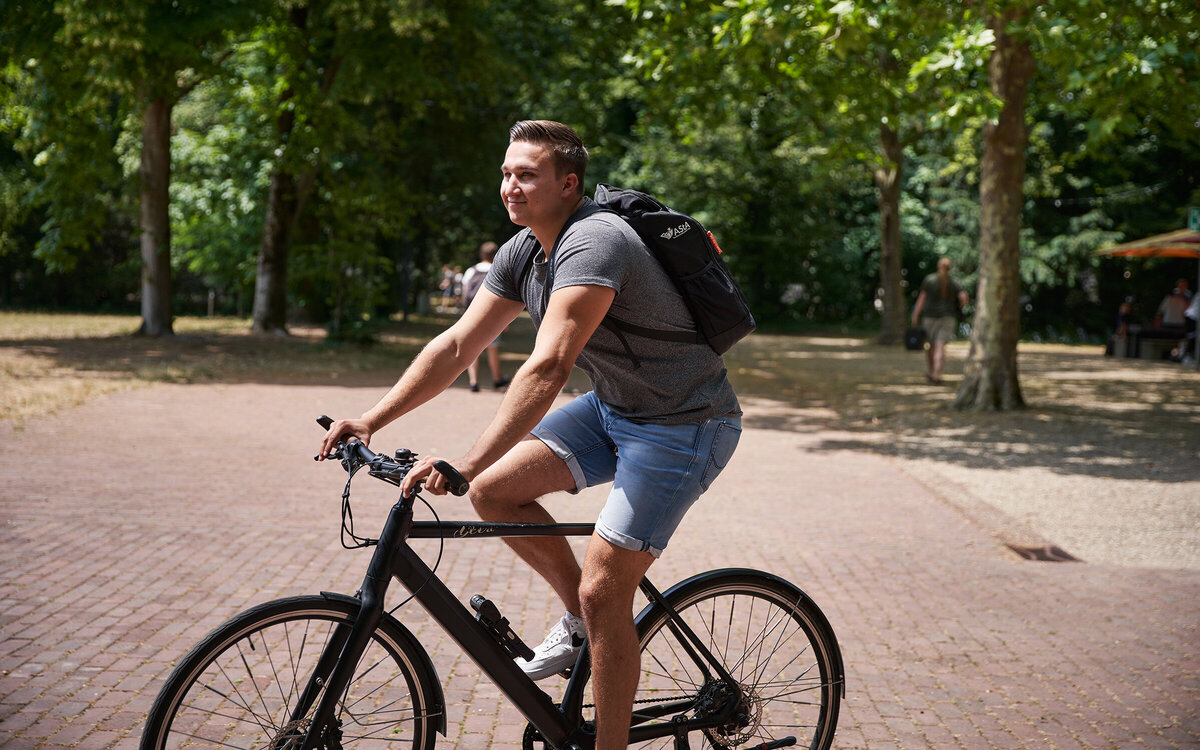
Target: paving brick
column 949, row 639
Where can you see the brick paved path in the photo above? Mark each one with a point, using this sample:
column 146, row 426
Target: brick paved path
column 134, row 524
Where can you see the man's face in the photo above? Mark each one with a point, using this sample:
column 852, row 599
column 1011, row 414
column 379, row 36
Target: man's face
column 530, row 187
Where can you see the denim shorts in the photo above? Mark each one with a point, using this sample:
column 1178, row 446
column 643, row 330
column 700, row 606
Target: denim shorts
column 657, row 471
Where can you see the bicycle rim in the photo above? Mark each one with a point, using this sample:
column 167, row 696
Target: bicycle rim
column 771, row 640
column 239, row 688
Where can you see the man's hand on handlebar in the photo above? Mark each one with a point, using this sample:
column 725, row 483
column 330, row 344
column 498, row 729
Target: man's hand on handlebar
column 435, row 482
column 344, row 429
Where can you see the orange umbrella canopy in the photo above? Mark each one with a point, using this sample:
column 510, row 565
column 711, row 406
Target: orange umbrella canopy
column 1184, row 243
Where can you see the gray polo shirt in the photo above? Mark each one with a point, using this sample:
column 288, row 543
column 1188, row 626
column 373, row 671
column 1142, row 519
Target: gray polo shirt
column 674, row 382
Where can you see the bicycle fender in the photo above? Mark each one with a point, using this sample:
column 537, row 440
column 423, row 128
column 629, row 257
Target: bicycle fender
column 405, row 636
column 703, row 579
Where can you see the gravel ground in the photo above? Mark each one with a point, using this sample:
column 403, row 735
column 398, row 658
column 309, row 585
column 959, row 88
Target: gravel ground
column 1103, row 464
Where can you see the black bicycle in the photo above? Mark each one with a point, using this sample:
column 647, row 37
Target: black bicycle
column 730, row 658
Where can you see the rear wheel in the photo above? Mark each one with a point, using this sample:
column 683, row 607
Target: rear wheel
column 255, row 683
column 771, row 638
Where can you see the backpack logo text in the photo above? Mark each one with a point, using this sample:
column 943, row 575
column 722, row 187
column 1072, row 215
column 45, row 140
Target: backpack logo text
column 674, row 232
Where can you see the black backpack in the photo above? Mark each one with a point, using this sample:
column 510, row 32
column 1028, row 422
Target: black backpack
column 692, row 259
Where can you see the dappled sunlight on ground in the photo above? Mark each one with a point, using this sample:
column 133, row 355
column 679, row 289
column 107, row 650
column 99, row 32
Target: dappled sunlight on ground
column 1098, row 434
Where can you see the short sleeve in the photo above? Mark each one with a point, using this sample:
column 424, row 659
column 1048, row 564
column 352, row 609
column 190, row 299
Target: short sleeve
column 594, row 253
column 503, row 279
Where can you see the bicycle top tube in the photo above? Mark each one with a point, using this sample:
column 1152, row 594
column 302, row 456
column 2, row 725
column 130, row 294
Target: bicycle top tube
column 488, row 529
column 354, row 455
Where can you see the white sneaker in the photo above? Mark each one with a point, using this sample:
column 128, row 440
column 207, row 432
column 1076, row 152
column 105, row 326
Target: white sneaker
column 559, row 650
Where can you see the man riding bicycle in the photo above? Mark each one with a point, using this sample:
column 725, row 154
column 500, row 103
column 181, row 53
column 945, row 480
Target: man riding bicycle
column 659, row 430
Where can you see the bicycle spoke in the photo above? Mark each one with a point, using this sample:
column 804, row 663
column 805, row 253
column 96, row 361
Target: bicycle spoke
column 754, row 628
column 240, row 700
column 229, row 703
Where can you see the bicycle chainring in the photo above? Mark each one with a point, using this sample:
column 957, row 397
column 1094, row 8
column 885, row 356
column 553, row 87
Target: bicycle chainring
column 531, row 736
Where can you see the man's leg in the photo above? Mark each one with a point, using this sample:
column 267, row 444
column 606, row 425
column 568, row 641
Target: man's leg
column 611, row 575
column 473, row 374
column 508, row 492
column 493, row 358
column 929, row 355
column 938, row 351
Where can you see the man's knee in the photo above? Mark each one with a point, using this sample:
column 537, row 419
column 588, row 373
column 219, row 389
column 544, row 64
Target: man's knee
column 598, row 598
column 610, row 578
column 528, row 472
column 489, row 497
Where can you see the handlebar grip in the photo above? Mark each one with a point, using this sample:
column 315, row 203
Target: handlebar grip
column 365, row 453
column 325, row 422
column 455, row 482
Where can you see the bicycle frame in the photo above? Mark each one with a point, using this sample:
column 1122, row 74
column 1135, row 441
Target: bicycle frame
column 394, row 558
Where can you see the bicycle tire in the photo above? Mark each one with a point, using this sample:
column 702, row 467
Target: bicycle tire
column 238, row 686
column 771, row 638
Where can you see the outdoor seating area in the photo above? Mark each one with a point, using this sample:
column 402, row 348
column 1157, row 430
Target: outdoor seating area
column 1148, row 342
column 1172, row 333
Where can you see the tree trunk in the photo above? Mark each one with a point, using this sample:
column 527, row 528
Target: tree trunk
column 285, row 204
column 990, row 376
column 156, row 224
column 270, row 283
column 887, row 180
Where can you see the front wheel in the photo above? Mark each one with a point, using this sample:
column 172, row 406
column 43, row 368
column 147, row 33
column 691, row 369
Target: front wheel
column 770, row 637
column 255, row 681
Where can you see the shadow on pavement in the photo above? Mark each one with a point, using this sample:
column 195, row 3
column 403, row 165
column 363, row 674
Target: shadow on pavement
column 1087, row 414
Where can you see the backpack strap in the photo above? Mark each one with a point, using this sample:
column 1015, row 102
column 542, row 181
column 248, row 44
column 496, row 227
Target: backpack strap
column 615, row 325
column 682, row 337
column 585, row 211
column 529, row 247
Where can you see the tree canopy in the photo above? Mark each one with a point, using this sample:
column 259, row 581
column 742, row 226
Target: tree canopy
column 320, row 160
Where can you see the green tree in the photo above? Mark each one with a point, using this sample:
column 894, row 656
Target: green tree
column 1117, row 66
column 101, row 68
column 375, row 105
column 839, row 72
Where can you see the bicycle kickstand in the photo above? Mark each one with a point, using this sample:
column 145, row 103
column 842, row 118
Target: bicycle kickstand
column 681, row 740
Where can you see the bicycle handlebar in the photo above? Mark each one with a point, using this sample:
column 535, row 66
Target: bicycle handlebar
column 355, row 453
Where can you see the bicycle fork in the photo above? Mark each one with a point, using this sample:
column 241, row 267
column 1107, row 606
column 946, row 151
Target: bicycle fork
column 341, row 655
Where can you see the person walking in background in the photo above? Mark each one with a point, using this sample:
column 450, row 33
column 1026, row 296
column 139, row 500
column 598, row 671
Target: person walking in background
column 1120, row 337
column 472, row 282
column 939, row 300
column 446, row 287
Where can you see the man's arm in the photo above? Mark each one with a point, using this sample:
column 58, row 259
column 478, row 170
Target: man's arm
column 441, row 361
column 917, row 308
column 572, row 317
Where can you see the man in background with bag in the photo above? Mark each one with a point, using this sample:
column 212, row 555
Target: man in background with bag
column 939, row 302
column 472, row 282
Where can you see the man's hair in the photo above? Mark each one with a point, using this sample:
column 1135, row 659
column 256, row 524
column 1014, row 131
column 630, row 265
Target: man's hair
column 487, row 251
column 943, row 273
column 570, row 155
